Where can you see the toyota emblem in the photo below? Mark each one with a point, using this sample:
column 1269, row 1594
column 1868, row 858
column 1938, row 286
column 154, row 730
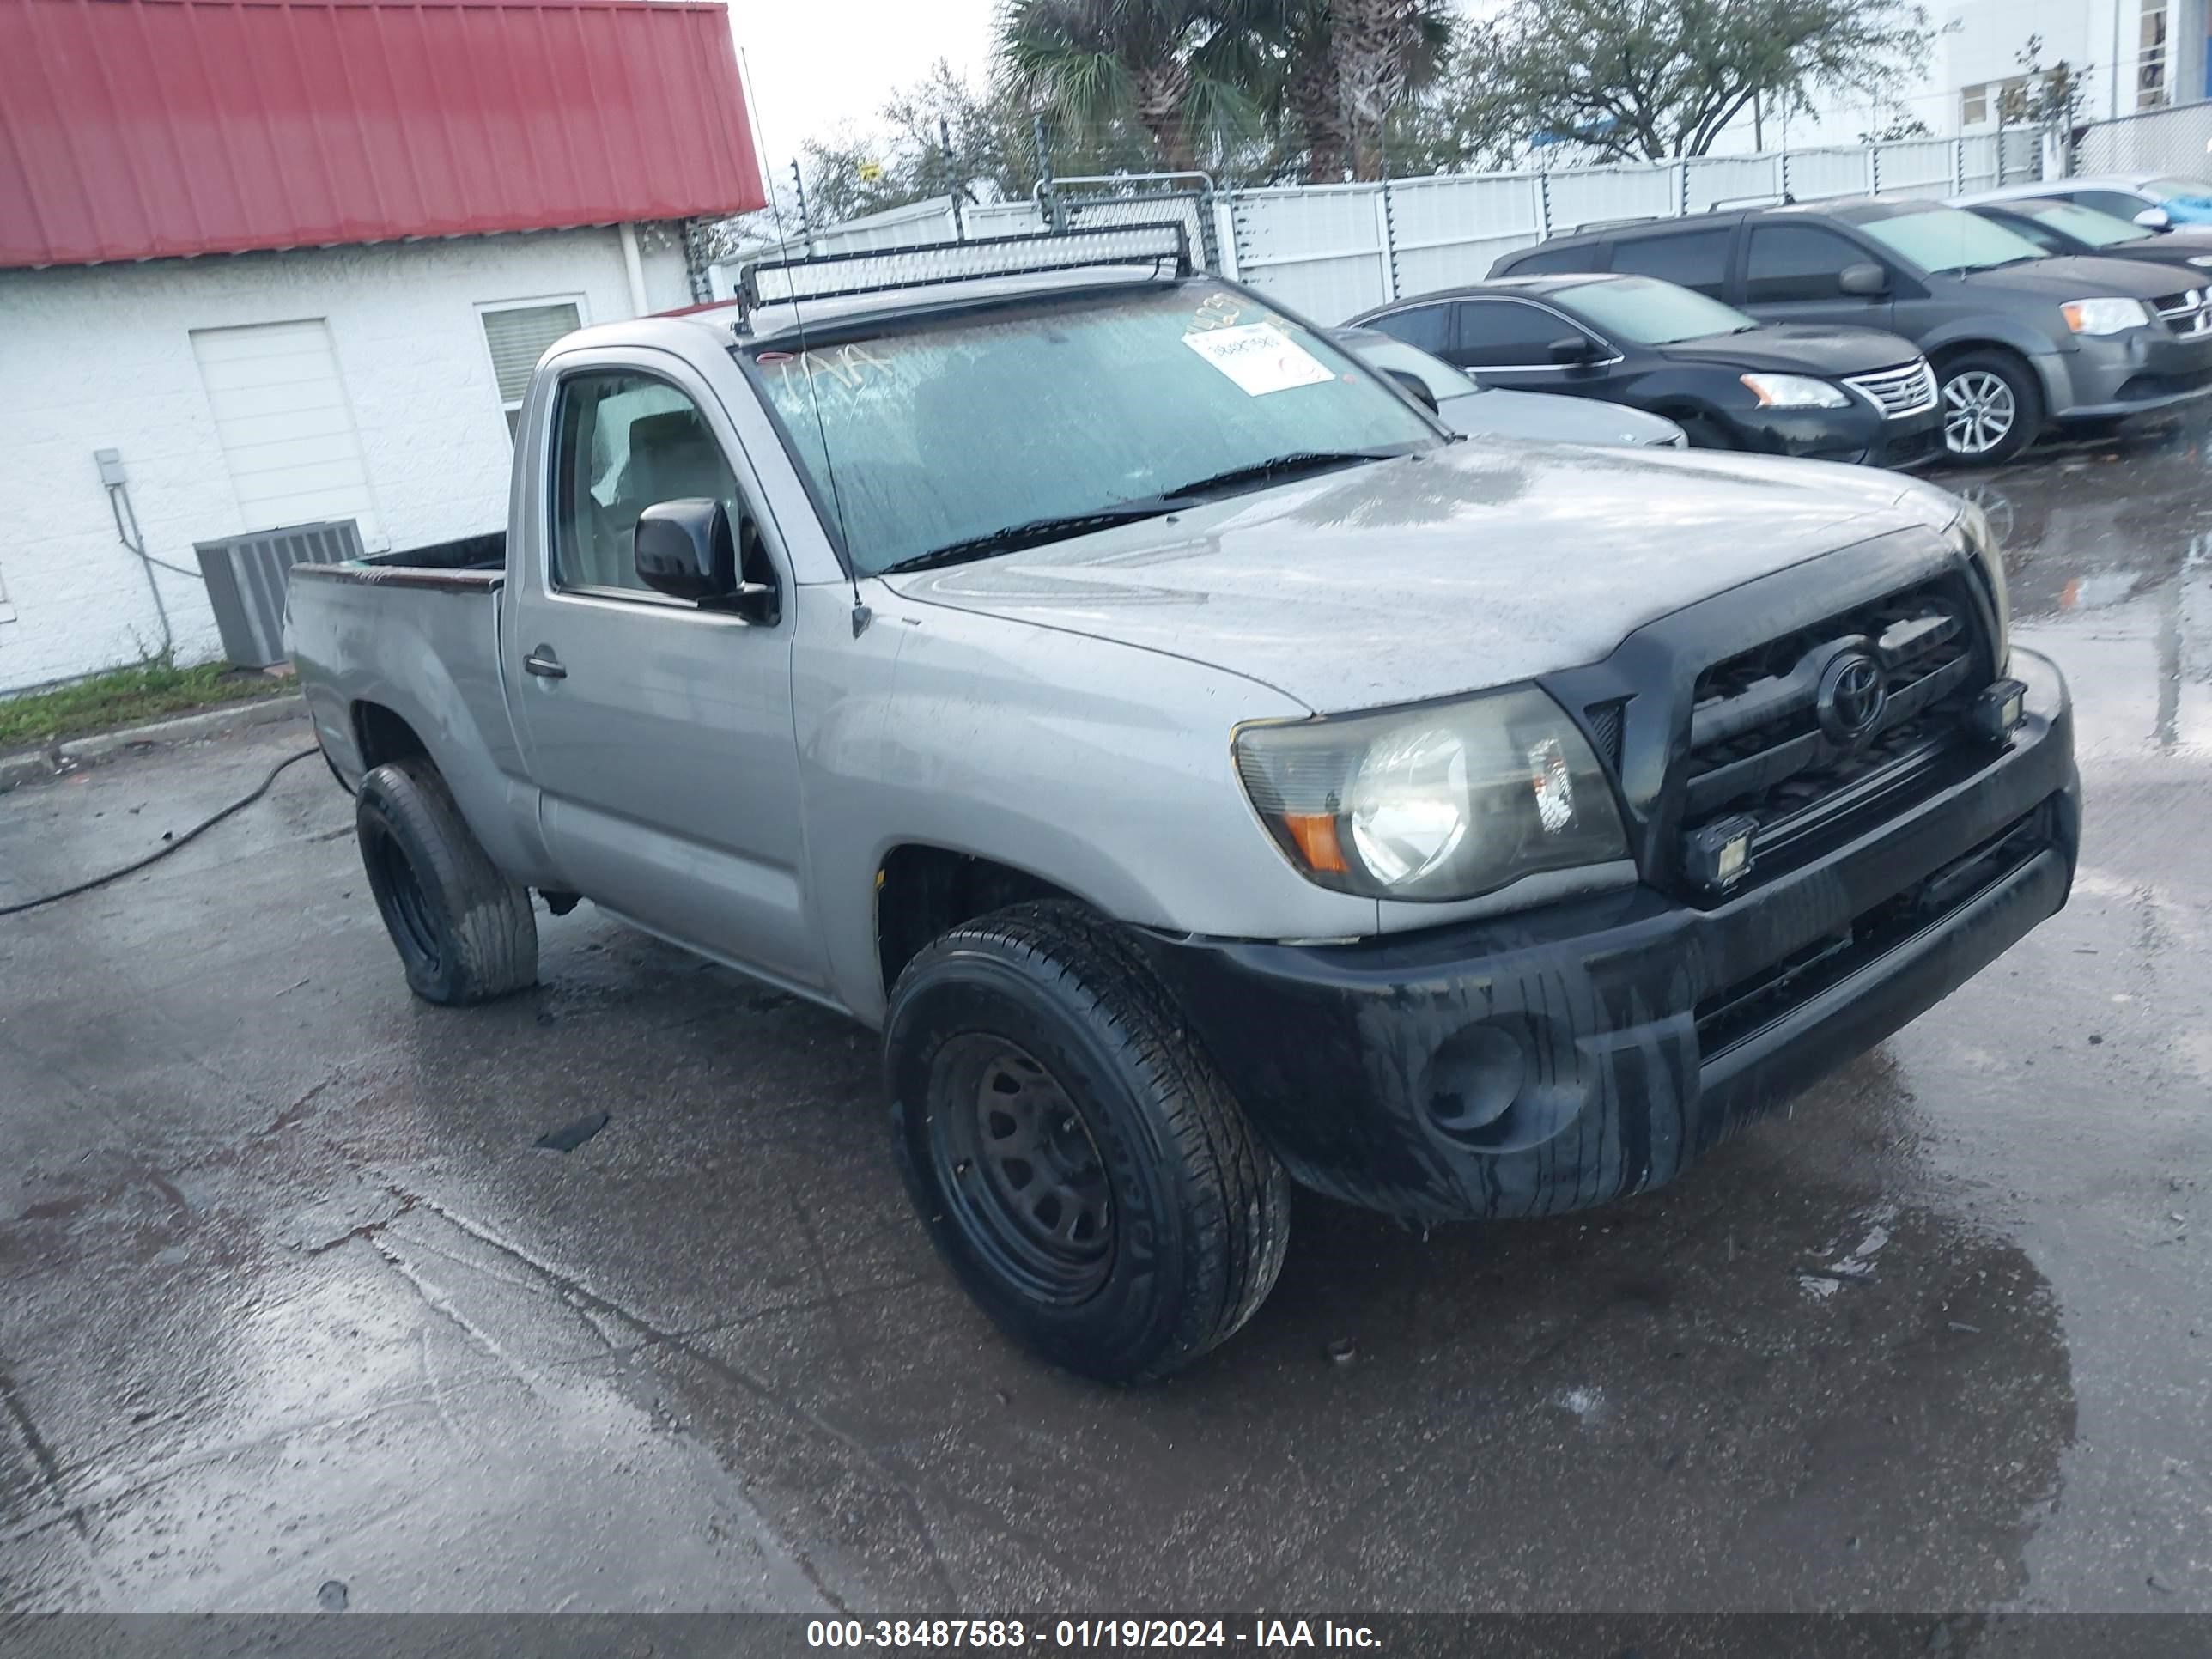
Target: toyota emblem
column 1851, row 699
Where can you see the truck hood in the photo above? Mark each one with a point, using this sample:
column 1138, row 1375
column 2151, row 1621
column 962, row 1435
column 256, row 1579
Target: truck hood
column 1481, row 564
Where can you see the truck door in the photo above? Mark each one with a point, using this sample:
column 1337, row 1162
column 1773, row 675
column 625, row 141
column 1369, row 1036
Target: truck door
column 660, row 734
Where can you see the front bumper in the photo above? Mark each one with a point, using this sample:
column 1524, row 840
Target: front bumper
column 1564, row 1057
column 2138, row 372
column 1856, row 432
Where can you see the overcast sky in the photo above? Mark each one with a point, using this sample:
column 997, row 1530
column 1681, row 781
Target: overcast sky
column 817, row 64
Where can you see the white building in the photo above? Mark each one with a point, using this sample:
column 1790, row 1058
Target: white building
column 275, row 315
column 2157, row 48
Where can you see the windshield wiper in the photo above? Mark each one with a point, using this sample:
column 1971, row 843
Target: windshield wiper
column 1032, row 532
column 1284, row 466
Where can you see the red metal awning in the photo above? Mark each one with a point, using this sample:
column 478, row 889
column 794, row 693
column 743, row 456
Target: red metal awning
column 145, row 129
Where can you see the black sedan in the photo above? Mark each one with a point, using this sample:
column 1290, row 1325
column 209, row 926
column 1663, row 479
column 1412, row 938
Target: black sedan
column 2057, row 226
column 1730, row 381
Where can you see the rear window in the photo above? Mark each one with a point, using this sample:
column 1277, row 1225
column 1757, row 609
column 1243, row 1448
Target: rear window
column 1428, row 327
column 1550, row 261
column 1696, row 259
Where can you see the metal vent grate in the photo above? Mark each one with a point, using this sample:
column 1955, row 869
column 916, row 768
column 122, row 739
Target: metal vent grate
column 246, row 577
column 1604, row 720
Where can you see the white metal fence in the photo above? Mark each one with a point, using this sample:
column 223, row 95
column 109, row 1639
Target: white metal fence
column 1332, row 249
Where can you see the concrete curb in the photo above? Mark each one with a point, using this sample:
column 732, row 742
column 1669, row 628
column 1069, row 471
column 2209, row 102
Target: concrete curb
column 57, row 758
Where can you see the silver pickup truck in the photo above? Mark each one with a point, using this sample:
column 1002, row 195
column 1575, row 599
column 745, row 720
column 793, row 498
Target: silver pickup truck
column 1205, row 771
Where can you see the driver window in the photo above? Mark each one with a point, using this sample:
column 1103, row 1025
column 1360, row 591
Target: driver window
column 627, row 442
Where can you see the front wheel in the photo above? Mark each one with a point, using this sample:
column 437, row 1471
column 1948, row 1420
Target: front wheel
column 1992, row 407
column 1079, row 1163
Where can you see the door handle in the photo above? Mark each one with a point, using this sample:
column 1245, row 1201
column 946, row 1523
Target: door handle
column 543, row 663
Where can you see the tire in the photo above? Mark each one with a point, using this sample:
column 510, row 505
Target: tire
column 1038, row 1039
column 1979, row 390
column 465, row 932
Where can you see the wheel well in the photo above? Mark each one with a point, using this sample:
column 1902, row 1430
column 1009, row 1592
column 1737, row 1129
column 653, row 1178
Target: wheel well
column 383, row 736
column 921, row 891
column 1958, row 348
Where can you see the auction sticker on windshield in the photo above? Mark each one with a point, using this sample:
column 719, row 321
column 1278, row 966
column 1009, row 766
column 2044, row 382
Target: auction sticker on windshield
column 1259, row 357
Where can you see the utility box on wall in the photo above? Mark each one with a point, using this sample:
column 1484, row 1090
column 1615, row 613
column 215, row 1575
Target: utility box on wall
column 247, row 576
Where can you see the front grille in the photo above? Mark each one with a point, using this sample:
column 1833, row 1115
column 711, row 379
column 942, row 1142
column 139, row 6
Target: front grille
column 2188, row 314
column 1760, row 747
column 1897, row 392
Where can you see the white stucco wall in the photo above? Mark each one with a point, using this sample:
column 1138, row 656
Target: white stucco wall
column 100, row 357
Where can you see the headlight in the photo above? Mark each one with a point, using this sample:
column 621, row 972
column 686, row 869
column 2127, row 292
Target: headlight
column 2200, row 259
column 1437, row 804
column 1794, row 391
column 2106, row 316
column 1971, row 532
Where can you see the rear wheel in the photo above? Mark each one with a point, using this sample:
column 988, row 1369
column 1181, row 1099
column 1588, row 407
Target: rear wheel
column 1079, row 1163
column 465, row 932
column 1992, row 407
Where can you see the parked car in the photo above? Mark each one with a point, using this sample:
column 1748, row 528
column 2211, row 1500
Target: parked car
column 1471, row 409
column 2057, row 226
column 2156, row 201
column 1841, row 394
column 2020, row 342
column 1203, row 769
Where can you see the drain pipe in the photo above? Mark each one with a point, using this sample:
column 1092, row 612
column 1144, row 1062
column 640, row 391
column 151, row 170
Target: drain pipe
column 634, row 267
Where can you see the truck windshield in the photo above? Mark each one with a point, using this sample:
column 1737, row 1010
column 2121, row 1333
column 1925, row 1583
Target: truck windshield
column 983, row 431
column 1944, row 239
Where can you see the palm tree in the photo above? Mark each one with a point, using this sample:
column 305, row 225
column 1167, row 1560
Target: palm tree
column 1172, row 66
column 1341, row 66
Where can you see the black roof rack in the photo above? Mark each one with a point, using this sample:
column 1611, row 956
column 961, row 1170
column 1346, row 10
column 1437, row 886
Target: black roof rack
column 879, row 271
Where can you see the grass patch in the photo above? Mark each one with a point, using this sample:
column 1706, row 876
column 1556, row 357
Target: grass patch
column 125, row 696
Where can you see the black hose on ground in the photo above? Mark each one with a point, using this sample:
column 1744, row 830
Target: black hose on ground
column 163, row 851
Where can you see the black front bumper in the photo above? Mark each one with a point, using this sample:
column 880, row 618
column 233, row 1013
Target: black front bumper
column 1856, row 432
column 1562, row 1057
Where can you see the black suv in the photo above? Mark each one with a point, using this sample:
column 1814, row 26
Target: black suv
column 2020, row 340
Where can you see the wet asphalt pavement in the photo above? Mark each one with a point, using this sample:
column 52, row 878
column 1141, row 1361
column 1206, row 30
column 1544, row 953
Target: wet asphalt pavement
column 289, row 1297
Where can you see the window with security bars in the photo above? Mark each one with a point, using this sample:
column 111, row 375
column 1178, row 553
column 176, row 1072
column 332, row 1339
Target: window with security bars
column 518, row 334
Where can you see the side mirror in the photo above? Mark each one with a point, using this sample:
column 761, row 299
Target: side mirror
column 1573, row 348
column 2154, row 218
column 1865, row 279
column 685, row 549
column 1415, row 388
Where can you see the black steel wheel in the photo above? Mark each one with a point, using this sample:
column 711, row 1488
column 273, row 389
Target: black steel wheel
column 464, row 931
column 1078, row 1163
column 1021, row 1167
